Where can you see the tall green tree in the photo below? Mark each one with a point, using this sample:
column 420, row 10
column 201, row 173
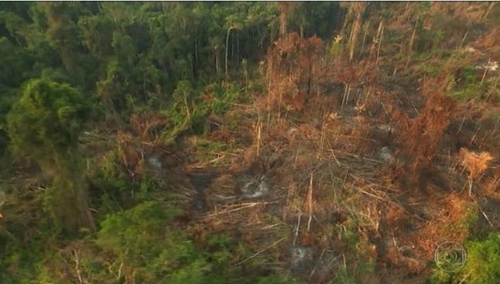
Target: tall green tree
column 44, row 125
column 63, row 30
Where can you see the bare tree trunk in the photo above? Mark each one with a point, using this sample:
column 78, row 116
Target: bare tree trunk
column 196, row 56
column 233, row 46
column 88, row 215
column 376, row 40
column 366, row 29
column 345, row 15
column 238, row 47
column 283, row 21
column 217, row 64
column 379, row 45
column 410, row 47
column 359, row 9
column 285, row 8
column 227, row 50
column 487, row 13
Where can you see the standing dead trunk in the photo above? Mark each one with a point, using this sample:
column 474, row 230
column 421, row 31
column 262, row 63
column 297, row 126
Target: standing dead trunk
column 412, row 41
column 346, row 16
column 487, row 13
column 285, row 8
column 196, row 57
column 283, row 20
column 379, row 44
column 88, row 218
column 366, row 29
column 238, row 47
column 376, row 40
column 217, row 64
column 359, row 8
column 227, row 50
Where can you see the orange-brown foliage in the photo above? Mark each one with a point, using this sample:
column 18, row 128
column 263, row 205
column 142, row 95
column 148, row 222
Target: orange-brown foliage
column 127, row 152
column 475, row 163
column 143, row 123
column 421, row 139
column 292, row 67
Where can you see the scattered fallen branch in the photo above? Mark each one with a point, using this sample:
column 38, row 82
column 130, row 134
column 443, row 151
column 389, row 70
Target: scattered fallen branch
column 240, row 207
column 297, row 228
column 310, row 202
column 261, row 251
column 486, row 217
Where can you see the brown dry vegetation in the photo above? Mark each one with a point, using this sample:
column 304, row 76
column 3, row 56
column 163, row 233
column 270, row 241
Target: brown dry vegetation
column 318, row 133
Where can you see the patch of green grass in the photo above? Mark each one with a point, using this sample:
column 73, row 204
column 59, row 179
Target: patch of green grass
column 469, row 92
column 431, row 68
column 343, row 277
column 481, row 266
column 358, row 261
column 470, row 86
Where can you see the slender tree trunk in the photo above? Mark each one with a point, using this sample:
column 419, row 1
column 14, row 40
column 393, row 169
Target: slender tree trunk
column 346, row 15
column 272, row 38
column 238, row 47
column 376, row 40
column 309, row 79
column 227, row 51
column 410, row 47
column 89, row 219
column 283, row 20
column 217, row 66
column 164, row 7
column 359, row 8
column 379, row 45
column 144, row 90
column 285, row 8
column 233, row 40
column 196, row 59
column 191, row 66
column 366, row 29
column 164, row 66
column 463, row 39
column 487, row 13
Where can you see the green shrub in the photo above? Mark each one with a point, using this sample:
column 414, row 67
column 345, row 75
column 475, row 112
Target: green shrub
column 143, row 241
column 481, row 266
column 483, row 260
column 46, row 121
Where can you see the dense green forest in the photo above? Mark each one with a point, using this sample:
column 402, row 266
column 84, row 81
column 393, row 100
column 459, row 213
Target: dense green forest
column 247, row 142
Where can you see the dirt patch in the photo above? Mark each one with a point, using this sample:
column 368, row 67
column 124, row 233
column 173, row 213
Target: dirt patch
column 201, row 181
